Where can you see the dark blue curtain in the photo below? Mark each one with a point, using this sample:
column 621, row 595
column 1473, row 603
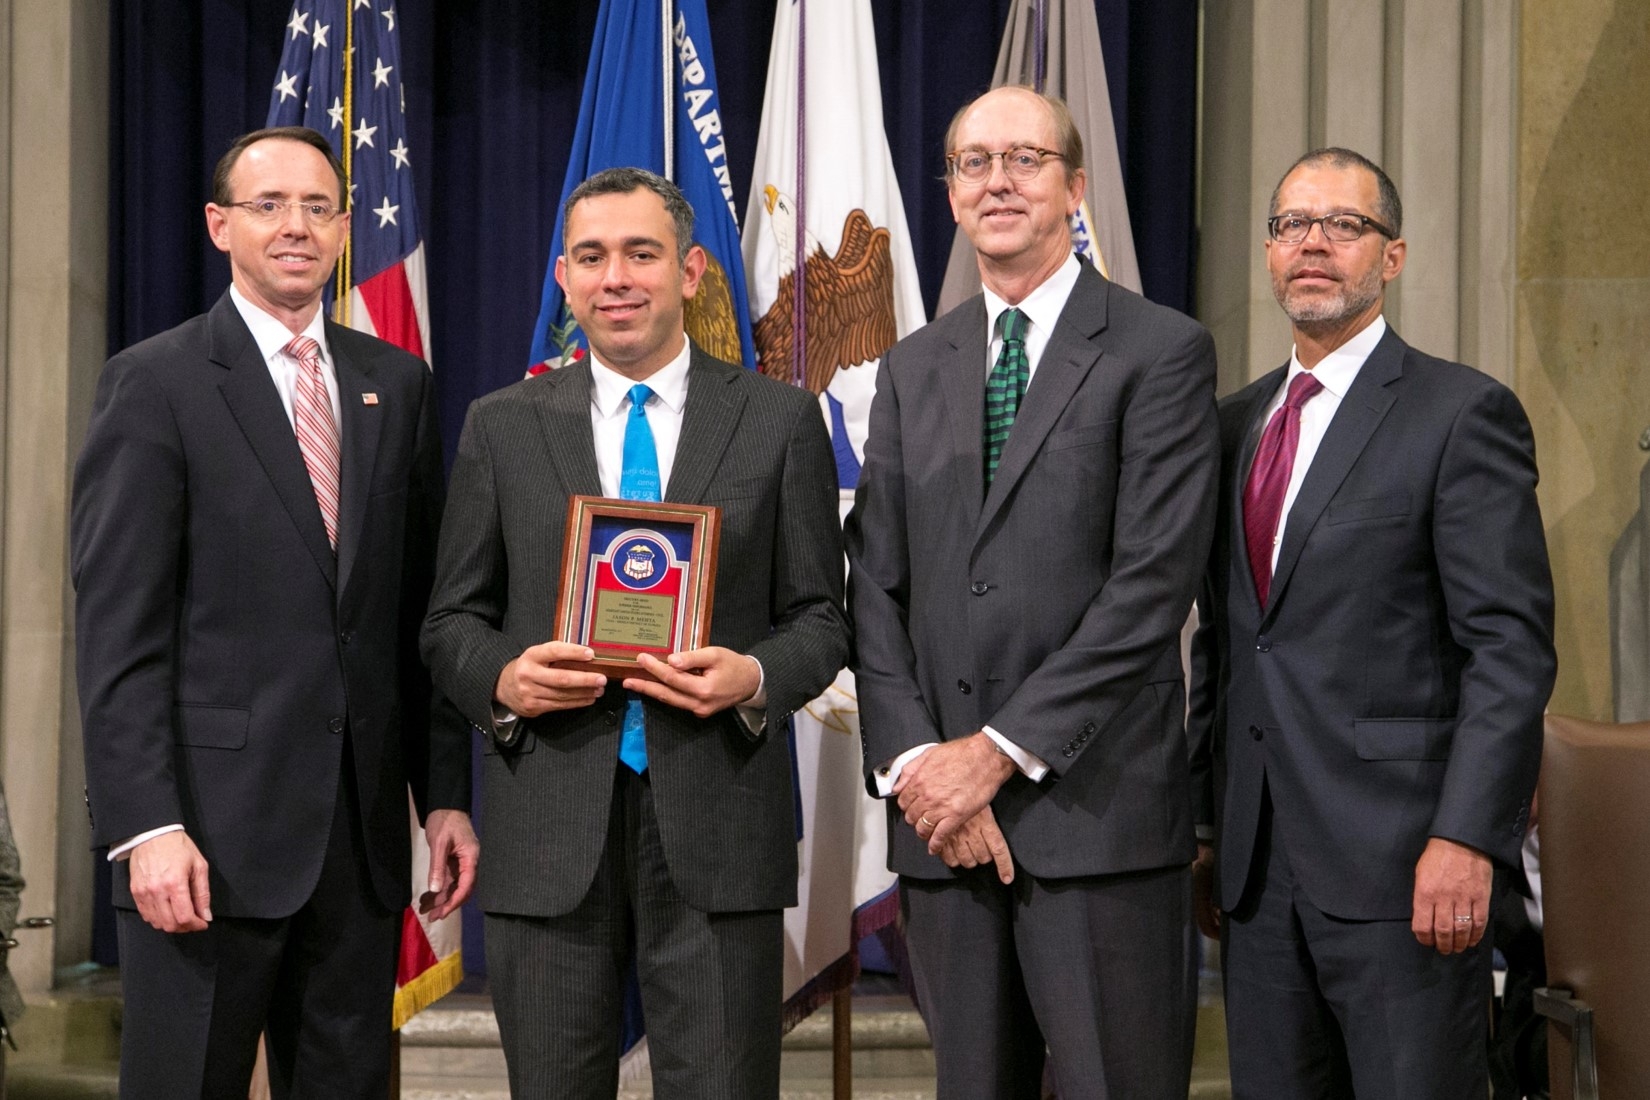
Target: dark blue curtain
column 492, row 91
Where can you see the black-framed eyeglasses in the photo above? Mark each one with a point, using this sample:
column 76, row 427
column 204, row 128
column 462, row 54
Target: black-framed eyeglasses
column 1343, row 227
column 1021, row 163
column 270, row 210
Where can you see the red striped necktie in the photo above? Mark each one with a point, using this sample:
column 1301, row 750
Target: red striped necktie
column 317, row 430
column 1269, row 480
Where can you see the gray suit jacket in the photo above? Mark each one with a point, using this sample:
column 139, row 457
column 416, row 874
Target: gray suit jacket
column 758, row 450
column 1050, row 607
column 1392, row 688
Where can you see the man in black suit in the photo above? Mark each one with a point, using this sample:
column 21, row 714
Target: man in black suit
column 650, row 819
column 1018, row 592
column 1373, row 660
column 252, row 543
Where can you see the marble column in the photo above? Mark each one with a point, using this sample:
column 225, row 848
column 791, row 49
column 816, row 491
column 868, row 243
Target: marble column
column 53, row 266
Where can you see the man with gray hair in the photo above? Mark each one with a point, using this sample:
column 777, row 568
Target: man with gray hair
column 650, row 819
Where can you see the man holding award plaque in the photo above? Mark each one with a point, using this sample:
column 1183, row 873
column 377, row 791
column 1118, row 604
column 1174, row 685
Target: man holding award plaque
column 638, row 794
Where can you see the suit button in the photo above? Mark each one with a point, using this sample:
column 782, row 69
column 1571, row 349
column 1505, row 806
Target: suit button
column 612, row 717
column 1263, row 644
column 964, row 686
column 1067, row 752
column 979, row 588
column 336, row 725
column 346, row 636
column 1255, row 732
column 1088, row 727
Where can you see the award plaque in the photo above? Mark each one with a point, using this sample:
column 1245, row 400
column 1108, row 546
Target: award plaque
column 636, row 577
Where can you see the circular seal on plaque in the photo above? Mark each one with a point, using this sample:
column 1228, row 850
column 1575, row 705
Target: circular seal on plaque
column 640, row 561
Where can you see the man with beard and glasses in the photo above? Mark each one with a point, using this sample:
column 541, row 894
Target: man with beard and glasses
column 1369, row 676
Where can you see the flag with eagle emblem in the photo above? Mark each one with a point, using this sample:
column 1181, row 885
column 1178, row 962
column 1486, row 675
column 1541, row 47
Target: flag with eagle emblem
column 833, row 286
column 825, row 201
column 622, row 123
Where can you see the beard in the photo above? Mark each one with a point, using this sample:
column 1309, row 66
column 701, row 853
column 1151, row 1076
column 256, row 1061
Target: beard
column 1349, row 300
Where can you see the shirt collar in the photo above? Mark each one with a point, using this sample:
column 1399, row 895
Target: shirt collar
column 1339, row 369
column 271, row 335
column 1042, row 306
column 609, row 388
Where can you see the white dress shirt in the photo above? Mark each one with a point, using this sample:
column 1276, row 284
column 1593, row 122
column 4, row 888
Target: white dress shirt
column 1336, row 372
column 272, row 337
column 1042, row 308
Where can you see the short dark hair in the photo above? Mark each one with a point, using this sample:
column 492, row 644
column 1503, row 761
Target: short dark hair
column 1065, row 128
column 1387, row 205
column 622, row 181
column 301, row 134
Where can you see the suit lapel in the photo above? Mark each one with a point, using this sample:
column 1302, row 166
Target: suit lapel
column 1362, row 410
column 256, row 406
column 564, row 411
column 962, row 389
column 711, row 414
column 1070, row 355
column 361, row 426
column 1253, row 419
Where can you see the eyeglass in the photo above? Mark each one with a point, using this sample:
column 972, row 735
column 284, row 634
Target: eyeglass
column 1342, row 228
column 1022, row 163
column 269, row 210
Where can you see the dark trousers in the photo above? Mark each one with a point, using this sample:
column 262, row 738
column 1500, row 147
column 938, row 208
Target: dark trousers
column 1094, row 970
column 1319, row 1008
column 711, row 983
column 321, row 982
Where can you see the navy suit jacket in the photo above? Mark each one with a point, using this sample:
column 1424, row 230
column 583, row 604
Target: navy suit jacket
column 222, row 649
column 1392, row 688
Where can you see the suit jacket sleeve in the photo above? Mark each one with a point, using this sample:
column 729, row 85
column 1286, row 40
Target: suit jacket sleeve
column 809, row 643
column 1164, row 522
column 462, row 639
column 879, row 584
column 436, row 739
column 127, row 525
column 1492, row 565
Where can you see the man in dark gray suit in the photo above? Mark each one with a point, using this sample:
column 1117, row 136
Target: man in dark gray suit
column 683, row 855
column 1020, row 574
column 1375, row 653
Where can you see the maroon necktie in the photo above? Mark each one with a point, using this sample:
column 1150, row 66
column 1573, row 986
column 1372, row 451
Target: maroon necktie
column 1269, row 480
column 317, row 430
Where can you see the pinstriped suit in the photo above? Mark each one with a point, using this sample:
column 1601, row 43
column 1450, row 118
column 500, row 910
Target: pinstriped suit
column 721, row 799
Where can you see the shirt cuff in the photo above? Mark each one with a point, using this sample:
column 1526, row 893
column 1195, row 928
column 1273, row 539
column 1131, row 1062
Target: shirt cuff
column 753, row 712
column 1030, row 764
column 888, row 774
column 503, row 719
column 124, row 848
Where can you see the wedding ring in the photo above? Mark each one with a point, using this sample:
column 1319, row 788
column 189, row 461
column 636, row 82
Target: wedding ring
column 925, row 821
column 1463, row 920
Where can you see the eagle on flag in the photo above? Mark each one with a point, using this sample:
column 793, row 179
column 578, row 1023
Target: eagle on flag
column 850, row 299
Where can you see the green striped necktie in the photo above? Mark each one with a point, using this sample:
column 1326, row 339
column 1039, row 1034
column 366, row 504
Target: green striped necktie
column 1005, row 388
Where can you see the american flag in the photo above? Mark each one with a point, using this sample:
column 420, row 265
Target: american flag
column 388, row 296
column 368, row 131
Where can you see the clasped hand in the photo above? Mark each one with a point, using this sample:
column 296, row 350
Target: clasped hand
column 946, row 795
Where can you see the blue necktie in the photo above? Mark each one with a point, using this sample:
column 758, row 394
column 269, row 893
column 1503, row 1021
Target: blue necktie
column 638, row 480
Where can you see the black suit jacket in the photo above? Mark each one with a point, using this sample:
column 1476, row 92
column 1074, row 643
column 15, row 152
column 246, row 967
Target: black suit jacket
column 1050, row 607
column 758, row 450
column 1392, row 688
column 221, row 648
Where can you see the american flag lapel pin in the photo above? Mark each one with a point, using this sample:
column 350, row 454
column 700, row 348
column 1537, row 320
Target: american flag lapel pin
column 369, row 399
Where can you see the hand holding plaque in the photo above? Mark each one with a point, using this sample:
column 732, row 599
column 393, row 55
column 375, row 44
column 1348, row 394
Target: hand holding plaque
column 636, row 577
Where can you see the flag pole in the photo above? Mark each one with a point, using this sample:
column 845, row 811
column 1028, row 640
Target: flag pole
column 341, row 303
column 799, row 287
column 667, row 86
